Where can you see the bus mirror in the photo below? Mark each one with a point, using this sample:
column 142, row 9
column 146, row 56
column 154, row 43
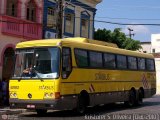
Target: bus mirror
column 64, row 75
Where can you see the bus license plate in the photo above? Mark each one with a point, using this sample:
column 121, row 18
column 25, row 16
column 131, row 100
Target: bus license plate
column 30, row 106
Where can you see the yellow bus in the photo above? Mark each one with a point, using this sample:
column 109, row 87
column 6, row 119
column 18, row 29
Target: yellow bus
column 74, row 73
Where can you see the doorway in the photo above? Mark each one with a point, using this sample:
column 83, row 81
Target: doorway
column 7, row 70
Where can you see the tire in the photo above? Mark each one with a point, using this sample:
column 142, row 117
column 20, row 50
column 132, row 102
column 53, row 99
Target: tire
column 81, row 105
column 132, row 99
column 41, row 111
column 139, row 100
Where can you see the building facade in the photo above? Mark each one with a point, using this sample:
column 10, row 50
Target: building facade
column 153, row 47
column 155, row 42
column 146, row 47
column 20, row 20
column 78, row 18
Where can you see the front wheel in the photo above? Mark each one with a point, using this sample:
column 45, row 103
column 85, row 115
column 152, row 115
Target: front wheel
column 41, row 111
column 81, row 105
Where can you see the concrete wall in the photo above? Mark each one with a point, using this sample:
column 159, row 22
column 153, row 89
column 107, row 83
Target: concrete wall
column 146, row 47
column 155, row 42
column 157, row 63
column 21, row 12
column 5, row 42
column 155, row 39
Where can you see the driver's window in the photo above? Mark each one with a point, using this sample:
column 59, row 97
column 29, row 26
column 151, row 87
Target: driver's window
column 66, row 62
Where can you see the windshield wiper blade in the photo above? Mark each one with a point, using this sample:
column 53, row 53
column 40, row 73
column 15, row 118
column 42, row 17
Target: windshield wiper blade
column 35, row 71
column 20, row 78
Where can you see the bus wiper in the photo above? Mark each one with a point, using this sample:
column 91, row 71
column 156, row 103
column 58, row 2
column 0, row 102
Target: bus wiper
column 20, row 78
column 35, row 71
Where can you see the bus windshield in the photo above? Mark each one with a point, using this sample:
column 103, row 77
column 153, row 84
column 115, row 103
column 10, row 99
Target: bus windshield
column 37, row 63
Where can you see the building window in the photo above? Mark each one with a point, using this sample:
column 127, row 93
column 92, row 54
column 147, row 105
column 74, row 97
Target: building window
column 153, row 50
column 69, row 23
column 51, row 18
column 12, row 8
column 85, row 28
column 144, row 51
column 31, row 11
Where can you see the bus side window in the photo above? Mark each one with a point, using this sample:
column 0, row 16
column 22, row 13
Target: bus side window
column 66, row 62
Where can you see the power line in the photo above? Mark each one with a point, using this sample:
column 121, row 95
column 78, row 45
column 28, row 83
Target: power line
column 116, row 23
column 107, row 22
column 128, row 18
column 150, row 24
column 81, row 4
column 147, row 7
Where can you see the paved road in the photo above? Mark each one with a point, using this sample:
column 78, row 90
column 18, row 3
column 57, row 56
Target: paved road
column 150, row 110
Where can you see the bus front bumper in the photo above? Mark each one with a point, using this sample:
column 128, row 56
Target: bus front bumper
column 55, row 104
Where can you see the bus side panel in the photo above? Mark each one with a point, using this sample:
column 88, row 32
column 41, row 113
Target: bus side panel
column 106, row 86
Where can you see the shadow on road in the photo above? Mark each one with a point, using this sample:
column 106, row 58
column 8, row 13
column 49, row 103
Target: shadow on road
column 98, row 110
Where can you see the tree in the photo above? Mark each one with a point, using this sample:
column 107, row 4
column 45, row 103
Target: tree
column 118, row 38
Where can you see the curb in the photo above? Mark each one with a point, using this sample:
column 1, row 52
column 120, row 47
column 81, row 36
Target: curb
column 11, row 111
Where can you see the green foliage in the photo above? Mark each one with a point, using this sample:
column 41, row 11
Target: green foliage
column 118, row 38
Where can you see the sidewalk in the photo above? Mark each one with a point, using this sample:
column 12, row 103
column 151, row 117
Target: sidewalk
column 8, row 111
column 158, row 89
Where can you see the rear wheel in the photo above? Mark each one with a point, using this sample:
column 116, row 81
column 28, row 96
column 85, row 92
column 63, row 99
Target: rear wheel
column 41, row 111
column 132, row 99
column 140, row 97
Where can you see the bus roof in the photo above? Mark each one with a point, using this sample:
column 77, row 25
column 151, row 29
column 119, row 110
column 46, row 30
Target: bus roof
column 84, row 44
column 52, row 42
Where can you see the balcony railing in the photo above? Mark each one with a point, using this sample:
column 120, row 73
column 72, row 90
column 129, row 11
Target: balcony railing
column 21, row 28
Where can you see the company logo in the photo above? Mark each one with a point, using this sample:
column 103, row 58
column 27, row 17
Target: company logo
column 4, row 117
column 29, row 95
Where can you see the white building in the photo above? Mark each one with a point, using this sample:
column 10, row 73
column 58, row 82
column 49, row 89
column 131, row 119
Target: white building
column 155, row 43
column 146, row 47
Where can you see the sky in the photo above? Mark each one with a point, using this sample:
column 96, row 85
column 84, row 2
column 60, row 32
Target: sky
column 130, row 12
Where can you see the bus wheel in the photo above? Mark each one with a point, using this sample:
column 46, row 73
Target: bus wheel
column 132, row 99
column 140, row 97
column 81, row 105
column 41, row 111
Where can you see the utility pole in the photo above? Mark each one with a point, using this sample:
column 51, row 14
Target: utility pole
column 130, row 34
column 59, row 18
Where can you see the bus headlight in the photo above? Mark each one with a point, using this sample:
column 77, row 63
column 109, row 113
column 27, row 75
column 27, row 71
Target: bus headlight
column 55, row 95
column 46, row 95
